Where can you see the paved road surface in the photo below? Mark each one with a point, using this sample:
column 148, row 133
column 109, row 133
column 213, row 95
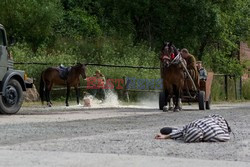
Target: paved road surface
column 121, row 136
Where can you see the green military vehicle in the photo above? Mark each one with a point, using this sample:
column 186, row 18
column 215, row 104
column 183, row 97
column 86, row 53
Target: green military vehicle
column 12, row 82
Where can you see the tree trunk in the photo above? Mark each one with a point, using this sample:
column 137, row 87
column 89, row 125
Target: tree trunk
column 202, row 48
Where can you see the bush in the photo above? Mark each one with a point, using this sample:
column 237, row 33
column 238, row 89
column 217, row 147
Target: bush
column 22, row 54
column 107, row 51
column 217, row 92
column 104, row 51
column 220, row 63
column 218, row 89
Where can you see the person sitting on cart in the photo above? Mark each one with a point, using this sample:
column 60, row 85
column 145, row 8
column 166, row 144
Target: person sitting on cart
column 212, row 128
column 202, row 71
column 191, row 65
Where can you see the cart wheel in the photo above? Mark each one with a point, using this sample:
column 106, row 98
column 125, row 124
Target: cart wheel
column 162, row 100
column 208, row 103
column 13, row 99
column 201, row 100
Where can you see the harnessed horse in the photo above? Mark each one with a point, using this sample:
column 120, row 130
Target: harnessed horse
column 173, row 76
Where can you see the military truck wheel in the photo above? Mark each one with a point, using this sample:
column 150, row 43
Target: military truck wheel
column 13, row 99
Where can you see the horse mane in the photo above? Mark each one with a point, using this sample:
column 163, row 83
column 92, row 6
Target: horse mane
column 78, row 65
column 169, row 44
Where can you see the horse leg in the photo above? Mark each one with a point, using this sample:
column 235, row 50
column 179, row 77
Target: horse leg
column 67, row 95
column 179, row 99
column 48, row 87
column 176, row 99
column 165, row 108
column 178, row 102
column 50, row 103
column 49, row 91
column 47, row 96
column 77, row 95
column 171, row 103
column 171, row 98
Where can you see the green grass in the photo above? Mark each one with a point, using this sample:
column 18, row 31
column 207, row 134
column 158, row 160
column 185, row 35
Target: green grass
column 218, row 89
column 246, row 89
column 246, row 63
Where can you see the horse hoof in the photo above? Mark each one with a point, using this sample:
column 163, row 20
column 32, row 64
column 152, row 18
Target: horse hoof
column 170, row 108
column 165, row 109
column 67, row 105
column 176, row 110
column 49, row 105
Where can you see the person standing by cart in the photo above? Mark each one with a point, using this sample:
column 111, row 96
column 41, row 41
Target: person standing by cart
column 202, row 71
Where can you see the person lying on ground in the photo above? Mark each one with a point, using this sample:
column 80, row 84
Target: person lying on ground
column 212, row 128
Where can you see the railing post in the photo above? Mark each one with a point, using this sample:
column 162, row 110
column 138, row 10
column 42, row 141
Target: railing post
column 240, row 87
column 226, row 86
column 235, row 87
column 125, row 91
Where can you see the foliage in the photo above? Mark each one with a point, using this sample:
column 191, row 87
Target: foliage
column 79, row 23
column 246, row 89
column 108, row 54
column 31, row 21
column 118, row 32
column 22, row 53
column 219, row 63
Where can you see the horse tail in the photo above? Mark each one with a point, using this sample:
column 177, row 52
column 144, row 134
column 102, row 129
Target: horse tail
column 41, row 88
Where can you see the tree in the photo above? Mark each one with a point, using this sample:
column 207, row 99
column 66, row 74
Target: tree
column 30, row 21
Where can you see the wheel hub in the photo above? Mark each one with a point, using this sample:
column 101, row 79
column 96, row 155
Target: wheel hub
column 11, row 95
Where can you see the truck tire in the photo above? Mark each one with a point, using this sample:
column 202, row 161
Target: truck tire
column 13, row 99
column 201, row 100
column 162, row 100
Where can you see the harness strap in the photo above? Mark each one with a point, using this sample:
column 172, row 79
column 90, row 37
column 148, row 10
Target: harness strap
column 189, row 76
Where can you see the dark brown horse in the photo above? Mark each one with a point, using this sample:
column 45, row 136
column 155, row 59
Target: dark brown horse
column 172, row 75
column 52, row 76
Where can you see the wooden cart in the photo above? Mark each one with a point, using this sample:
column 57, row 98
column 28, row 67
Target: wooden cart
column 202, row 95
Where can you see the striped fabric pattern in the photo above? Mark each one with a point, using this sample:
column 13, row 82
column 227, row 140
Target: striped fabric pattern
column 212, row 128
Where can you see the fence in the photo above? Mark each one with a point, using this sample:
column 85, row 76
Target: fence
column 225, row 80
column 231, row 85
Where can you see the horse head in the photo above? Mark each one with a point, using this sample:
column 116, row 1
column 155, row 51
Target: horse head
column 81, row 68
column 168, row 53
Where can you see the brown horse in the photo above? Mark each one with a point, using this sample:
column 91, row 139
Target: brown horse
column 173, row 76
column 52, row 76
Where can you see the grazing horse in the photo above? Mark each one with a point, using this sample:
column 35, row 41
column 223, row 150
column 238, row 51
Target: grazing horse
column 52, row 76
column 172, row 75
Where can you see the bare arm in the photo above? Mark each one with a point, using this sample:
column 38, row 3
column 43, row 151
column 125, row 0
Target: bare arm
column 161, row 136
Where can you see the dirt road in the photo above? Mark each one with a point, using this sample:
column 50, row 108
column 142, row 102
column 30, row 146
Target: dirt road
column 122, row 136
